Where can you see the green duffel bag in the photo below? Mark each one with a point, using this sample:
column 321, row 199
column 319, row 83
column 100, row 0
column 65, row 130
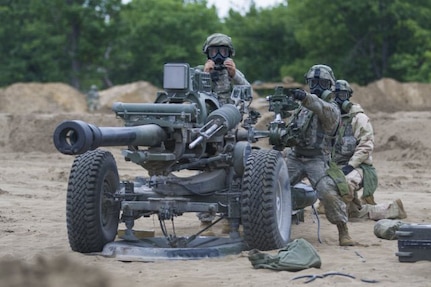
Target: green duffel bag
column 298, row 255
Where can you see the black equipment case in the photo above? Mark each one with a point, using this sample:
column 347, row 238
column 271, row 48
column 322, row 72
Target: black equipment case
column 414, row 242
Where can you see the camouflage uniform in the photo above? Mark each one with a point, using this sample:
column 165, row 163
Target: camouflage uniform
column 352, row 152
column 93, row 99
column 223, row 85
column 219, row 51
column 317, row 122
column 354, row 147
column 222, row 82
column 309, row 158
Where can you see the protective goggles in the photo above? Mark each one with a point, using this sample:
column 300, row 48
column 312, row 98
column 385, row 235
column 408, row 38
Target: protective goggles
column 323, row 83
column 214, row 50
column 342, row 95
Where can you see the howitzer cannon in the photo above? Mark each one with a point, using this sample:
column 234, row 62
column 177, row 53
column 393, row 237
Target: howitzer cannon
column 186, row 128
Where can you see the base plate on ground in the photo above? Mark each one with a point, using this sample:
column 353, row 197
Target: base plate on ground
column 158, row 248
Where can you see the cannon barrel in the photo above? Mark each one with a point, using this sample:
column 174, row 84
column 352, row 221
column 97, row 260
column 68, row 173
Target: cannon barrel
column 76, row 137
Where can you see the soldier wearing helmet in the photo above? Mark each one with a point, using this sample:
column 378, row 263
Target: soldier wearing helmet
column 316, row 122
column 219, row 51
column 318, row 116
column 352, row 152
column 343, row 92
column 93, row 99
column 320, row 80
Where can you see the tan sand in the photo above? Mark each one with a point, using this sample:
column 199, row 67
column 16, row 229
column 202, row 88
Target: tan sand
column 34, row 249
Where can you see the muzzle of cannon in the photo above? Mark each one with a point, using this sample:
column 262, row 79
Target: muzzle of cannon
column 77, row 137
column 218, row 122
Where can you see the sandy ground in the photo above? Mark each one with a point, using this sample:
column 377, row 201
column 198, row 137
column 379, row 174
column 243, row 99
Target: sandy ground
column 34, row 249
column 32, row 215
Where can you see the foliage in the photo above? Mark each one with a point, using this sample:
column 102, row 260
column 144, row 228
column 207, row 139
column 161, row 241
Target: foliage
column 160, row 31
column 365, row 40
column 24, row 45
column 107, row 42
column 262, row 40
column 55, row 40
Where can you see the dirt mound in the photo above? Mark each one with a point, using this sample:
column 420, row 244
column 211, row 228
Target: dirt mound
column 138, row 92
column 30, row 112
column 385, row 95
column 54, row 98
column 388, row 95
column 33, row 132
column 40, row 98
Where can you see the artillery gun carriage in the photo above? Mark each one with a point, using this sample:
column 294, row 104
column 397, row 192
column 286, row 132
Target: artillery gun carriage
column 186, row 128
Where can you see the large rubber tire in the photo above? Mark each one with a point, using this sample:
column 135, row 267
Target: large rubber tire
column 266, row 205
column 91, row 212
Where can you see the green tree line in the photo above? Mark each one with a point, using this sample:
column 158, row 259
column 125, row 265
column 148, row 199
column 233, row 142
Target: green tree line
column 109, row 42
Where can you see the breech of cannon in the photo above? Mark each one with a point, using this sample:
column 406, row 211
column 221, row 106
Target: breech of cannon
column 77, row 137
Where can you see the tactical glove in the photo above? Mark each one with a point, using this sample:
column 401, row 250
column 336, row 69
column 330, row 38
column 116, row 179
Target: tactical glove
column 299, row 94
column 347, row 169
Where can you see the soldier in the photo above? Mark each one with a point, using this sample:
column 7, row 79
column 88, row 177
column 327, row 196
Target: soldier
column 219, row 51
column 316, row 121
column 93, row 99
column 352, row 152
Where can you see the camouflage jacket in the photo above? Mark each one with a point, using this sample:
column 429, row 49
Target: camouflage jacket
column 92, row 95
column 222, row 83
column 318, row 121
column 354, row 142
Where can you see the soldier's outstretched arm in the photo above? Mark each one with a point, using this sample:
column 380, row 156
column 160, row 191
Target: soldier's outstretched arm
column 327, row 112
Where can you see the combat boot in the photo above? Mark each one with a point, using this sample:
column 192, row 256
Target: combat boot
column 396, row 210
column 393, row 210
column 343, row 235
column 209, row 231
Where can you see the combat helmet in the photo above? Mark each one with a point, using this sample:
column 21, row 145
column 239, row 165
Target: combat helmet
column 321, row 72
column 343, row 92
column 218, row 39
column 343, row 85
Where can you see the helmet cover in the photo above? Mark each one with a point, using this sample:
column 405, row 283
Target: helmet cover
column 343, row 92
column 321, row 72
column 343, row 85
column 218, row 39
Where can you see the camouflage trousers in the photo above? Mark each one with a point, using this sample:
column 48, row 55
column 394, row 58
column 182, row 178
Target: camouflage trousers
column 354, row 180
column 93, row 105
column 314, row 168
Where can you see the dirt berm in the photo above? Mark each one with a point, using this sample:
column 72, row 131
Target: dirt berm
column 29, row 112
